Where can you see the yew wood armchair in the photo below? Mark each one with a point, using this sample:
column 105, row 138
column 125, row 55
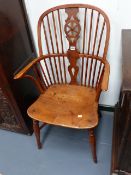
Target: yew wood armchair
column 71, row 70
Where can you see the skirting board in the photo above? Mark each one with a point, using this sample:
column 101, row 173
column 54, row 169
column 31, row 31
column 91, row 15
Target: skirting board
column 106, row 108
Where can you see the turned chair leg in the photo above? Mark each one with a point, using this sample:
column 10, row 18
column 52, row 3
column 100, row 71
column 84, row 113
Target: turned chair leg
column 37, row 132
column 93, row 144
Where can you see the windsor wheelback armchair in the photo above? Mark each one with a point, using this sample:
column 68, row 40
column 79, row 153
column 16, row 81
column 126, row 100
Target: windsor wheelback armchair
column 71, row 70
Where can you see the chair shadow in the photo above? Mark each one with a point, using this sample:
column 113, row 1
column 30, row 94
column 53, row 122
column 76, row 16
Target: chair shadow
column 45, row 134
column 99, row 127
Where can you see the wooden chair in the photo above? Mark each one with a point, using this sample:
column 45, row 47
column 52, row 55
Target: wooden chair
column 71, row 70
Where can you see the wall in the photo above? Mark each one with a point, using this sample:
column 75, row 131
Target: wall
column 120, row 17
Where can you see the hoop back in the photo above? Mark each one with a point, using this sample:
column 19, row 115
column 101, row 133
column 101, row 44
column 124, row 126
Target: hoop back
column 77, row 37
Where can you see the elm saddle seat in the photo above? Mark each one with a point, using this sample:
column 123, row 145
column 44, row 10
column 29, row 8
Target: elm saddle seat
column 66, row 105
column 71, row 70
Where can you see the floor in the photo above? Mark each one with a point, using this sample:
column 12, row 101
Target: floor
column 65, row 152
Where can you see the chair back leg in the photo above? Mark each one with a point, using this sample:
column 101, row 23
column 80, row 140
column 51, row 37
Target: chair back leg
column 93, row 144
column 37, row 133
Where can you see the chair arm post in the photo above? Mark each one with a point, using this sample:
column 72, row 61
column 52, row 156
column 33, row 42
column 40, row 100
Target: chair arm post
column 40, row 89
column 105, row 78
column 104, row 81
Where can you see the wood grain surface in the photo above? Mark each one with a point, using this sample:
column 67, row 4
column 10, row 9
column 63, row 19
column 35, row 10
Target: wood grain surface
column 66, row 105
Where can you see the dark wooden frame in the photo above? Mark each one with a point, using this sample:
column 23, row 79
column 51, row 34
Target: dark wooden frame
column 16, row 45
column 121, row 157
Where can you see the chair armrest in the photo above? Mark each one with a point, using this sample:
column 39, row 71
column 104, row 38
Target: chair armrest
column 24, row 68
column 21, row 73
column 105, row 80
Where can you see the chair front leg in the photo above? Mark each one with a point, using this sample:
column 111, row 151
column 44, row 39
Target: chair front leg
column 37, row 132
column 93, row 144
